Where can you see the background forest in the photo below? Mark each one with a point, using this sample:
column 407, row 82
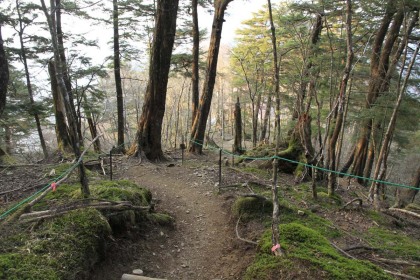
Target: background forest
column 336, row 82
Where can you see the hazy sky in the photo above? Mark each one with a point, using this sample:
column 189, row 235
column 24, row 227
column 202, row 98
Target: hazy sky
column 237, row 11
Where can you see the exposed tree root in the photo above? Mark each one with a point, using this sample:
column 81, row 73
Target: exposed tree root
column 239, row 237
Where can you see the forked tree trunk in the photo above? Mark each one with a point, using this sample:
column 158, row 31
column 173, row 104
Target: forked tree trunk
column 200, row 119
column 383, row 154
column 61, row 128
column 385, row 42
column 148, row 137
column 70, row 114
column 4, row 74
column 117, row 75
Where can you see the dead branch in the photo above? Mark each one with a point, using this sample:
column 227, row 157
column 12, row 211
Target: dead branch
column 342, row 251
column 357, row 247
column 414, row 214
column 47, row 214
column 255, row 196
column 239, row 237
column 401, row 275
column 396, row 261
column 354, row 200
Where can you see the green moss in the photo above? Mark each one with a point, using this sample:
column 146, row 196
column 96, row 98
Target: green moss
column 311, row 253
column 251, row 207
column 64, row 248
column 394, row 243
column 160, row 219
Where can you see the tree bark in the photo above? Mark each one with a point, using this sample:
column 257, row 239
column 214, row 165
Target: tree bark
column 4, row 74
column 264, row 127
column 70, row 114
column 195, row 63
column 199, row 124
column 28, row 81
column 148, row 137
column 61, row 128
column 332, row 177
column 117, row 75
column 275, row 232
column 237, row 146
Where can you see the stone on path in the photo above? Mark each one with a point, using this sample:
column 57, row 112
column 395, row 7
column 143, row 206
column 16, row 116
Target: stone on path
column 137, row 277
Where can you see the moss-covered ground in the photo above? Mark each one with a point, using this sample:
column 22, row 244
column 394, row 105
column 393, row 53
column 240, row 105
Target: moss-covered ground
column 68, row 246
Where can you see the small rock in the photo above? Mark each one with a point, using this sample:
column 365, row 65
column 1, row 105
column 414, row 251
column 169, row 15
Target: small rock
column 138, row 272
column 184, row 265
column 188, row 211
column 161, row 233
column 301, row 213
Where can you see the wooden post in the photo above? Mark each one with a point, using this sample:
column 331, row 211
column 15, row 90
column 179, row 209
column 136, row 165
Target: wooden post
column 233, row 155
column 110, row 163
column 182, row 146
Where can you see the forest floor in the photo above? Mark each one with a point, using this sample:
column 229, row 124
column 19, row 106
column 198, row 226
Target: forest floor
column 203, row 242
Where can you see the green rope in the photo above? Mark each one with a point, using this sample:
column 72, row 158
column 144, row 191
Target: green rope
column 17, row 206
column 311, row 166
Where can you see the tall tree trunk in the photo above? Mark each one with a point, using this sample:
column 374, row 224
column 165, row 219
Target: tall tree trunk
column 63, row 61
column 195, row 63
column 275, row 235
column 237, row 145
column 4, row 74
column 61, row 128
column 148, row 137
column 117, row 75
column 200, row 120
column 28, row 82
column 382, row 157
column 332, row 149
column 92, row 124
column 71, row 117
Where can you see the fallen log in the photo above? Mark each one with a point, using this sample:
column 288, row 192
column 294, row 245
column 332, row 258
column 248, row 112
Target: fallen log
column 352, row 201
column 414, row 214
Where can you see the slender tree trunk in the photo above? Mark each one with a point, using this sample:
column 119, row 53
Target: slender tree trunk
column 332, row 177
column 28, row 82
column 4, row 74
column 200, row 119
column 71, row 117
column 117, row 75
column 61, row 128
column 275, row 236
column 8, row 139
column 148, row 137
column 195, row 63
column 237, row 145
column 92, row 125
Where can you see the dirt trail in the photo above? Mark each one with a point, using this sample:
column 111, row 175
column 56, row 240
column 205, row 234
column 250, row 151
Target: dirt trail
column 203, row 244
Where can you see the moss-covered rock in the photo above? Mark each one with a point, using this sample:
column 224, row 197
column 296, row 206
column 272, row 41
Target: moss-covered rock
column 251, row 207
column 309, row 256
column 63, row 248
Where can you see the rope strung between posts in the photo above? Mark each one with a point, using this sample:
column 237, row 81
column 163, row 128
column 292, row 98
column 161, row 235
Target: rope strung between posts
column 308, row 165
column 15, row 207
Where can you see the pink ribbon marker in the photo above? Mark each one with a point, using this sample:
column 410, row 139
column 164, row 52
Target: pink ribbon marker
column 53, row 186
column 275, row 247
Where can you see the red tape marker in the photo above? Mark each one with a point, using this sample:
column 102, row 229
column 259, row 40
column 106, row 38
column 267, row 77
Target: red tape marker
column 275, row 247
column 53, row 186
